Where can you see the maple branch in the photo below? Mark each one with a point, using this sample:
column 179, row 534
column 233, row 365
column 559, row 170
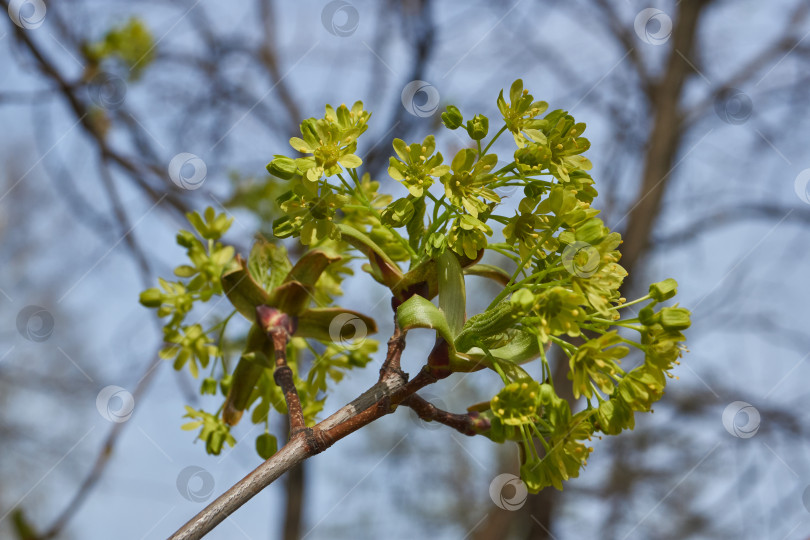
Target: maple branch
column 470, row 423
column 381, row 399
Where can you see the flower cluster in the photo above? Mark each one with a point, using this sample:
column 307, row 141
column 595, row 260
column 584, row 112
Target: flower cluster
column 189, row 344
column 555, row 263
column 266, row 278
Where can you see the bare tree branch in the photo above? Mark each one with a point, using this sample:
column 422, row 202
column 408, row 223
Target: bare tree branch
column 102, row 460
column 83, row 117
column 267, row 54
column 123, row 221
column 625, row 37
column 378, row 401
column 763, row 59
column 731, row 216
column 665, row 137
column 423, row 35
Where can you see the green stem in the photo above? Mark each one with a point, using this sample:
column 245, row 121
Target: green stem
column 523, row 261
column 546, row 367
column 634, row 344
column 506, row 167
column 623, row 324
column 524, row 177
column 596, row 392
column 500, row 219
column 636, row 301
column 594, row 328
column 495, row 138
column 505, row 253
column 525, row 432
column 564, row 345
column 221, row 323
column 498, row 369
column 542, row 439
column 438, row 203
column 541, row 274
column 349, row 188
column 360, row 195
column 435, row 225
column 224, row 324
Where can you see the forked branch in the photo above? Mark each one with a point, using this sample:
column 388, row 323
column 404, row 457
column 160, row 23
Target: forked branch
column 393, row 388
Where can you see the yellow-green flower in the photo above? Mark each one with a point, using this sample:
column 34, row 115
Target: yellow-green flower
column 213, row 430
column 519, row 114
column 358, row 215
column 518, row 403
column 470, row 180
column 331, row 140
column 556, row 146
column 613, row 416
column 311, row 218
column 189, row 343
column 417, row 165
column 131, row 43
column 522, row 228
column 642, row 387
column 597, row 360
column 559, row 311
column 351, row 122
column 663, row 346
column 467, row 236
column 563, row 461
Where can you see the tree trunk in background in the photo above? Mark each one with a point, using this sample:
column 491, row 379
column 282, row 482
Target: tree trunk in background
column 293, row 513
column 665, row 136
column 294, row 498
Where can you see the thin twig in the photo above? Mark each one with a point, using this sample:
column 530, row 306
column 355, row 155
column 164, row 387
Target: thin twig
column 467, row 424
column 392, row 361
column 102, row 460
column 279, row 327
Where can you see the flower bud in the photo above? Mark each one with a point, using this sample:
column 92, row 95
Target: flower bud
column 664, row 290
column 209, row 386
column 478, row 127
column 452, row 118
column 675, row 318
column 151, row 298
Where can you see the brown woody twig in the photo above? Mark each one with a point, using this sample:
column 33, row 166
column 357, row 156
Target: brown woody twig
column 279, row 326
column 467, row 424
column 392, row 389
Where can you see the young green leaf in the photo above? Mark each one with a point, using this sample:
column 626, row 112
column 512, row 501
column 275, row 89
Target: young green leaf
column 452, row 293
column 418, row 312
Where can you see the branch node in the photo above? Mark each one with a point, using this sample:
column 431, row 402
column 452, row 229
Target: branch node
column 316, row 440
